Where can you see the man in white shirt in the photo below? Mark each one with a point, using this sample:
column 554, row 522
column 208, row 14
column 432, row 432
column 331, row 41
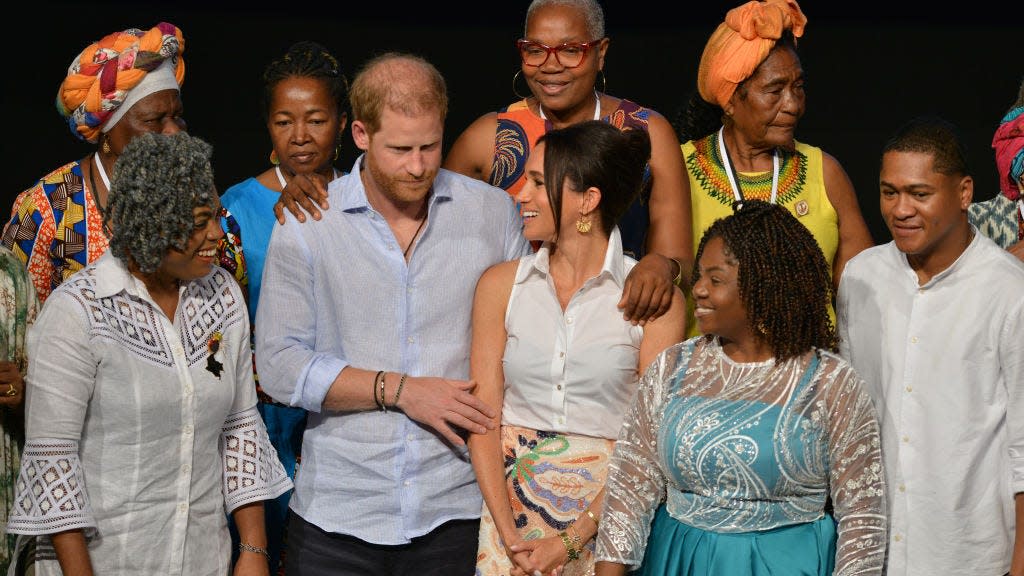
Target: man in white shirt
column 933, row 322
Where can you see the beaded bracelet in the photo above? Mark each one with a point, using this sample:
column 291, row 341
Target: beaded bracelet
column 401, row 382
column 243, row 547
column 574, row 554
column 377, row 381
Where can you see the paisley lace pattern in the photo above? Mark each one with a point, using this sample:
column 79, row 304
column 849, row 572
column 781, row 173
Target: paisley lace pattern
column 734, row 448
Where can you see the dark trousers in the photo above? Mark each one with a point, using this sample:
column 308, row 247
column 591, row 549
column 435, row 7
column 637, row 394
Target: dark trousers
column 449, row 550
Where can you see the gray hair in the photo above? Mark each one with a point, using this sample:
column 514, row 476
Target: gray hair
column 158, row 180
column 590, row 9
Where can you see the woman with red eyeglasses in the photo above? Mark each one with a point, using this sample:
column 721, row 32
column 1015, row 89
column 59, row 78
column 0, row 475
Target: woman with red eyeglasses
column 562, row 55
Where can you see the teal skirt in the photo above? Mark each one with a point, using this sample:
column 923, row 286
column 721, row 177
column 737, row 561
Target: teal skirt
column 677, row 549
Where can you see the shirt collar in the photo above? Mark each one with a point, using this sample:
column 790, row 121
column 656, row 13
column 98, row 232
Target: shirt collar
column 112, row 277
column 614, row 265
column 353, row 193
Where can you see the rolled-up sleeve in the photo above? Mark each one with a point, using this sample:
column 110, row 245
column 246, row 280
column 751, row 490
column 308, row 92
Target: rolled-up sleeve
column 291, row 370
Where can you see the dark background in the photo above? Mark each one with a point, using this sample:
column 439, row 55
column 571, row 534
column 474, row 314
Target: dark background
column 870, row 66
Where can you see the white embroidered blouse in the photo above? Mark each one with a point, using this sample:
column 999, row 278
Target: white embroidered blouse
column 131, row 432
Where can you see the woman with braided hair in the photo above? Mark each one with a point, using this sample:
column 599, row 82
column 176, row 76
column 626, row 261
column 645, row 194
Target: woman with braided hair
column 126, row 84
column 737, row 440
column 304, row 108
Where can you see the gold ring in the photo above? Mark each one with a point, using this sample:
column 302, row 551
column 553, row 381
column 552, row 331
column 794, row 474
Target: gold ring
column 12, row 391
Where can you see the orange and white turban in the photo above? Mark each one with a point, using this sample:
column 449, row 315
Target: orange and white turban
column 109, row 76
column 739, row 45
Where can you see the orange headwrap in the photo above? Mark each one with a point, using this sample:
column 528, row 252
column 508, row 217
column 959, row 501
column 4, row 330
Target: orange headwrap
column 742, row 42
column 100, row 78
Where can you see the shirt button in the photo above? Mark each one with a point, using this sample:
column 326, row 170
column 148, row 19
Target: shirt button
column 410, row 437
column 897, row 538
column 561, row 354
column 559, row 386
column 906, row 438
column 914, row 339
column 406, row 483
column 903, row 488
column 188, row 389
column 920, row 291
column 187, row 430
column 910, row 388
column 182, row 508
column 561, row 420
column 568, row 320
column 186, row 469
column 409, row 340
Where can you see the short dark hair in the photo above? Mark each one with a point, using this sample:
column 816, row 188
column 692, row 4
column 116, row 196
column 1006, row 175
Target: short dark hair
column 158, row 180
column 784, row 280
column 935, row 136
column 595, row 153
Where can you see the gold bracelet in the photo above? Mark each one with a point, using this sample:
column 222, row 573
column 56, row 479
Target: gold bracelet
column 243, row 547
column 574, row 554
column 383, row 404
column 577, row 540
column 377, row 382
column 398, row 392
column 591, row 516
column 679, row 277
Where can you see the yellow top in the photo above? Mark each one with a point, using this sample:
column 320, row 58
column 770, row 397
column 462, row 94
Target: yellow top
column 801, row 189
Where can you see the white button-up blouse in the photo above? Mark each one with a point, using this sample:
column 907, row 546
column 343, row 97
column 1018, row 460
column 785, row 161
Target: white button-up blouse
column 140, row 430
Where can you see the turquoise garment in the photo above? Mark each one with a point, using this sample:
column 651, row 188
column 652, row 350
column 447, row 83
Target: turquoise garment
column 677, row 549
column 253, row 207
column 743, row 469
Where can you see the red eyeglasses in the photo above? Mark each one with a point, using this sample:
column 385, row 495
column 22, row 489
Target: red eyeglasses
column 568, row 55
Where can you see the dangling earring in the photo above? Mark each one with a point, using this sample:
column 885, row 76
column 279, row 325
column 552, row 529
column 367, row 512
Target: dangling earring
column 337, row 152
column 604, row 82
column 273, row 158
column 106, row 146
column 514, row 89
column 583, row 224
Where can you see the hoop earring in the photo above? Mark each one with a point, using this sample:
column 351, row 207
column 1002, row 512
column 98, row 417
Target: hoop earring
column 514, row 89
column 604, row 82
column 273, row 158
column 106, row 146
column 337, row 152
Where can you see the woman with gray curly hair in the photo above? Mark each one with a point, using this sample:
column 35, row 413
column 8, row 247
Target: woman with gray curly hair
column 141, row 424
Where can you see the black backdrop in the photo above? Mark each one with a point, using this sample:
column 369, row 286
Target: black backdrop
column 870, row 65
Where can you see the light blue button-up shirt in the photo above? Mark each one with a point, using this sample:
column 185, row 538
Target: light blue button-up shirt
column 338, row 292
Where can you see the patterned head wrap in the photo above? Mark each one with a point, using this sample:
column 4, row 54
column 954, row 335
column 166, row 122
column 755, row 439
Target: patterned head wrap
column 1008, row 143
column 739, row 45
column 100, row 79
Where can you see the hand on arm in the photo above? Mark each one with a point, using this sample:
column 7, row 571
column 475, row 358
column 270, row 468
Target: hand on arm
column 304, row 193
column 648, row 293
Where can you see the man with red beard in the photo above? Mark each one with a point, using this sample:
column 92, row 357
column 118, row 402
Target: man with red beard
column 365, row 323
